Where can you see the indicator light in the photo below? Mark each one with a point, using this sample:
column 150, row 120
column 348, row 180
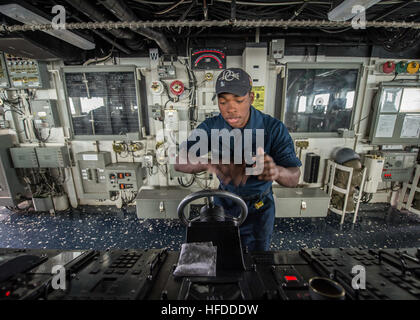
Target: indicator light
column 290, row 278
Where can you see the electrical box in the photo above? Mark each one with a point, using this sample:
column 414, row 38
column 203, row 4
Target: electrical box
column 4, row 79
column 160, row 203
column 45, row 113
column 157, row 112
column 124, row 176
column 24, row 157
column 10, row 187
column 26, row 73
column 166, row 72
column 91, row 166
column 254, row 60
column 398, row 165
column 277, row 48
column 171, row 119
column 301, row 202
column 53, row 157
column 374, row 165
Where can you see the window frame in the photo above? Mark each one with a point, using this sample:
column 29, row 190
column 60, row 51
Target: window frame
column 321, row 65
column 90, row 69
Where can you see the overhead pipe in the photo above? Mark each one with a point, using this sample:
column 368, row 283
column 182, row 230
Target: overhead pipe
column 109, row 40
column 124, row 13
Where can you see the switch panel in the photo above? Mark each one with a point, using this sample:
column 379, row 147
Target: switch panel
column 398, row 165
column 26, row 73
column 124, row 176
column 91, row 166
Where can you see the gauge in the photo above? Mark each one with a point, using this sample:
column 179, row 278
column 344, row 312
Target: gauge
column 208, row 59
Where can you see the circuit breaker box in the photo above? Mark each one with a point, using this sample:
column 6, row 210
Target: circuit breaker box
column 124, row 176
column 45, row 113
column 91, row 166
column 24, row 157
column 10, row 186
column 53, row 157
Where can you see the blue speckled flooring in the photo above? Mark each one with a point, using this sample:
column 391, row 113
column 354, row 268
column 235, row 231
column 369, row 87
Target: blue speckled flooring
column 378, row 226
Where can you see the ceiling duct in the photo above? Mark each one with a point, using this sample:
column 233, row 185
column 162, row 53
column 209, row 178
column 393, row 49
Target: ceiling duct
column 94, row 14
column 348, row 9
column 124, row 13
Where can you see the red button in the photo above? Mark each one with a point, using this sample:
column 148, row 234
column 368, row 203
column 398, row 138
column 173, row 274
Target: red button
column 290, row 278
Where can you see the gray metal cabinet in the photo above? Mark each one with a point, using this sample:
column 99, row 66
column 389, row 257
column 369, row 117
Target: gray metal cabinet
column 301, row 202
column 160, row 202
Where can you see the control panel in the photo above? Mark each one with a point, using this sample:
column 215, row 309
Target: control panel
column 398, row 165
column 92, row 171
column 26, row 73
column 124, row 176
column 131, row 274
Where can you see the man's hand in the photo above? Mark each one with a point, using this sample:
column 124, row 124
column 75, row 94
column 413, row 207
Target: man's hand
column 229, row 172
column 271, row 171
column 288, row 177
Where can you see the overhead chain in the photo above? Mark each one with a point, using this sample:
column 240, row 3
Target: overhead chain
column 110, row 25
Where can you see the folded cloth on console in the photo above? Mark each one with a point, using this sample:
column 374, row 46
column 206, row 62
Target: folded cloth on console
column 197, row 259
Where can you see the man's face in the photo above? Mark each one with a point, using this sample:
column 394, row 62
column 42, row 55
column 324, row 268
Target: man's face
column 234, row 109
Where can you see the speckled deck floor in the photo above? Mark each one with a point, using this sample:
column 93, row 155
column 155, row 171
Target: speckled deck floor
column 378, row 226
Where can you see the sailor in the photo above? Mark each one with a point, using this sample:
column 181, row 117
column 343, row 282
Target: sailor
column 274, row 155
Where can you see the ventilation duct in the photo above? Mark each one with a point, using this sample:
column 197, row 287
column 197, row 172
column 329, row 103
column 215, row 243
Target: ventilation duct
column 124, row 13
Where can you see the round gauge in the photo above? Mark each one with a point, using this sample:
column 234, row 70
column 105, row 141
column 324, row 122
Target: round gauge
column 208, row 59
column 177, row 87
column 156, row 87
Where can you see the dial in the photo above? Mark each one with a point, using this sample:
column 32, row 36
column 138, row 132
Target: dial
column 208, row 59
